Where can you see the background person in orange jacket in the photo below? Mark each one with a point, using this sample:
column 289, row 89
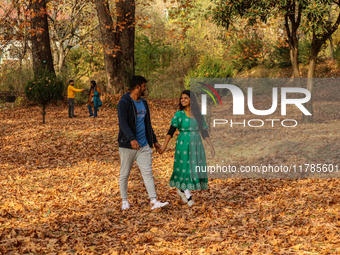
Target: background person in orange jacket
column 70, row 98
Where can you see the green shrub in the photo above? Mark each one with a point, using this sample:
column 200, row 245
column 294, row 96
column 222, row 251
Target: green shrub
column 209, row 67
column 18, row 101
column 44, row 89
column 150, row 56
column 304, row 52
column 281, row 55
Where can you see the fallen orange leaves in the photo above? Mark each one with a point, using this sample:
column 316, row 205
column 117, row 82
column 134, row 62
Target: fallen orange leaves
column 70, row 201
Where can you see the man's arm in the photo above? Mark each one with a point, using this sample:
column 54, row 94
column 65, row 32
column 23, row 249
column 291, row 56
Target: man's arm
column 74, row 89
column 123, row 121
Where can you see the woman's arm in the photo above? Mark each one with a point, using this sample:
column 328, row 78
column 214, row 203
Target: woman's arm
column 212, row 150
column 165, row 144
column 167, row 138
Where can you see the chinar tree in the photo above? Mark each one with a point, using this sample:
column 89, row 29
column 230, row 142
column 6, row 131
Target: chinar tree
column 308, row 16
column 45, row 86
column 118, row 38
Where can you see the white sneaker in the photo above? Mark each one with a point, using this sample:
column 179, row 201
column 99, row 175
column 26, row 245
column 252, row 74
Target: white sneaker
column 125, row 205
column 159, row 204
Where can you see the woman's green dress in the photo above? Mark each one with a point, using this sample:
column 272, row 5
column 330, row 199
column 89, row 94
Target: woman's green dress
column 189, row 171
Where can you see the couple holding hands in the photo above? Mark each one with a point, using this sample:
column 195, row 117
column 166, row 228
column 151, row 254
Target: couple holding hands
column 136, row 138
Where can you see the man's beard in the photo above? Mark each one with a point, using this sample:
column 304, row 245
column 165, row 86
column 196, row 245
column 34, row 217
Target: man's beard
column 141, row 92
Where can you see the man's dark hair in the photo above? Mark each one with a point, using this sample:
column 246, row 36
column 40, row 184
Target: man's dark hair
column 137, row 80
column 71, row 81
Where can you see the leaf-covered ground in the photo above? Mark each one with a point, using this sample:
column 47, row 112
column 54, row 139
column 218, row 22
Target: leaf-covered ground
column 60, row 194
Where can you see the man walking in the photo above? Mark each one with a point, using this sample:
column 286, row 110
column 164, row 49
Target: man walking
column 136, row 138
column 70, row 98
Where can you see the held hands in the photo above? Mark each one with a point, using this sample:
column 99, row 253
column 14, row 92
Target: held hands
column 162, row 149
column 157, row 147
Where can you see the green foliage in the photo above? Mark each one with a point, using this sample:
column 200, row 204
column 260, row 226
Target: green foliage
column 14, row 78
column 280, row 55
column 246, row 53
column 44, row 88
column 83, row 62
column 316, row 17
column 209, row 67
column 81, row 97
column 151, row 56
column 185, row 13
column 304, row 52
column 18, row 101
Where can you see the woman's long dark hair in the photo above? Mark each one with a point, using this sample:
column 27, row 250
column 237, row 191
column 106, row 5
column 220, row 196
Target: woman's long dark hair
column 194, row 107
column 94, row 86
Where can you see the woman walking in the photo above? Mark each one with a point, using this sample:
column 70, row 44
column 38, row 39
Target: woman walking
column 94, row 100
column 189, row 151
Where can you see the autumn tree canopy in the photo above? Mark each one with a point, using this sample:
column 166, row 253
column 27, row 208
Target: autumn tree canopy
column 311, row 17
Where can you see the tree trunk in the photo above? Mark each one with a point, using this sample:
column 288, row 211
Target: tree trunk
column 55, row 53
column 310, row 75
column 61, row 57
column 292, row 23
column 295, row 61
column 332, row 47
column 41, row 49
column 118, row 43
column 330, row 38
column 43, row 113
column 20, row 63
column 110, row 41
column 126, row 22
